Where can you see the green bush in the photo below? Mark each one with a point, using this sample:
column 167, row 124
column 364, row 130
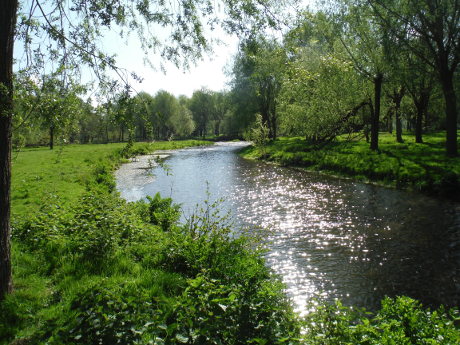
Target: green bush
column 252, row 312
column 109, row 312
column 163, row 212
column 401, row 321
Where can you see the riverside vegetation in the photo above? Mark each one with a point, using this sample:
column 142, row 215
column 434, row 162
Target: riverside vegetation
column 90, row 268
column 409, row 165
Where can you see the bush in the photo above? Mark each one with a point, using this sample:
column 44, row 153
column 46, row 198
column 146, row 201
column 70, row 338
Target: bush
column 399, row 321
column 210, row 312
column 163, row 212
column 109, row 312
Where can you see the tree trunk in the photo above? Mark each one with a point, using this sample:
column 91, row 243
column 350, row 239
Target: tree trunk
column 8, row 10
column 421, row 104
column 399, row 138
column 51, row 137
column 419, row 126
column 397, row 98
column 376, row 113
column 451, row 112
column 390, row 121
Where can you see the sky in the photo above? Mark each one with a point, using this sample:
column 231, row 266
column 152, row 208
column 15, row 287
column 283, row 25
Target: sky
column 207, row 73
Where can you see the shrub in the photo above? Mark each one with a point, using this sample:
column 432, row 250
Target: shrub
column 109, row 312
column 163, row 212
column 399, row 321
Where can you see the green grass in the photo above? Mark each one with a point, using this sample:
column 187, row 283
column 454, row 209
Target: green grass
column 409, row 165
column 90, row 268
column 40, row 175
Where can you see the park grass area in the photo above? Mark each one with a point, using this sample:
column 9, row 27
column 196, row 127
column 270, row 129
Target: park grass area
column 40, row 175
column 90, row 268
column 409, row 165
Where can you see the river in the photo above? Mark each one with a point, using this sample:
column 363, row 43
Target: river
column 326, row 236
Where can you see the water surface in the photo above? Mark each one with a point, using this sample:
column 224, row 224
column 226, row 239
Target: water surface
column 326, row 236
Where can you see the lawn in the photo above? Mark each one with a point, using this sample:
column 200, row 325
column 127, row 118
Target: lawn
column 41, row 176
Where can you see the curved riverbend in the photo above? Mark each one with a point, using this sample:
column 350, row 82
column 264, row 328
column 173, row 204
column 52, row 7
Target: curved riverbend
column 326, row 236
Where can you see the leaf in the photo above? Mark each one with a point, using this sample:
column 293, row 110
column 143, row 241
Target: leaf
column 182, row 338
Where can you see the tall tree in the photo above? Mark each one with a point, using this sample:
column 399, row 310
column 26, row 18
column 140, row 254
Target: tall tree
column 71, row 30
column 8, row 13
column 261, row 69
column 437, row 25
column 202, row 107
column 322, row 94
column 364, row 41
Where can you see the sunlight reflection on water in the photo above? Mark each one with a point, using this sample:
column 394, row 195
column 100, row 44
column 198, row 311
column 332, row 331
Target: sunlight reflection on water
column 326, row 237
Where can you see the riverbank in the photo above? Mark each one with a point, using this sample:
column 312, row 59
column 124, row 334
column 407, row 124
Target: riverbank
column 420, row 167
column 90, row 268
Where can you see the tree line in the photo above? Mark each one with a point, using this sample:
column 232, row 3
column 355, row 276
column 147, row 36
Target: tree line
column 52, row 111
column 352, row 67
column 355, row 68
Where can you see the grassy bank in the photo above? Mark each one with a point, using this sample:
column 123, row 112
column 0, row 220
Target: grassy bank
column 90, row 268
column 41, row 175
column 423, row 167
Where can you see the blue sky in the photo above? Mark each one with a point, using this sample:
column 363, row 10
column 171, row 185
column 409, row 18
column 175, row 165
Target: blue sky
column 208, row 73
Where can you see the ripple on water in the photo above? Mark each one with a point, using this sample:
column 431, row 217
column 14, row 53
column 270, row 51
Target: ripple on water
column 326, row 237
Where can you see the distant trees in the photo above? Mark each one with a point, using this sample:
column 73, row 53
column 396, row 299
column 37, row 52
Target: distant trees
column 431, row 30
column 52, row 105
column 338, row 70
column 46, row 112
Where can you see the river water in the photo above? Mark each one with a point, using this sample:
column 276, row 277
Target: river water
column 326, row 236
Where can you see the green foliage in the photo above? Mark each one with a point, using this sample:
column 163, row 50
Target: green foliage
column 162, row 212
column 399, row 321
column 319, row 95
column 423, row 167
column 110, row 313
column 259, row 132
column 210, row 312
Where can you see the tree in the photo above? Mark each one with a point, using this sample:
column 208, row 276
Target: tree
column 71, row 29
column 243, row 97
column 437, row 25
column 221, row 107
column 364, row 42
column 143, row 115
column 58, row 105
column 202, row 108
column 322, row 96
column 265, row 61
column 182, row 121
column 8, row 10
